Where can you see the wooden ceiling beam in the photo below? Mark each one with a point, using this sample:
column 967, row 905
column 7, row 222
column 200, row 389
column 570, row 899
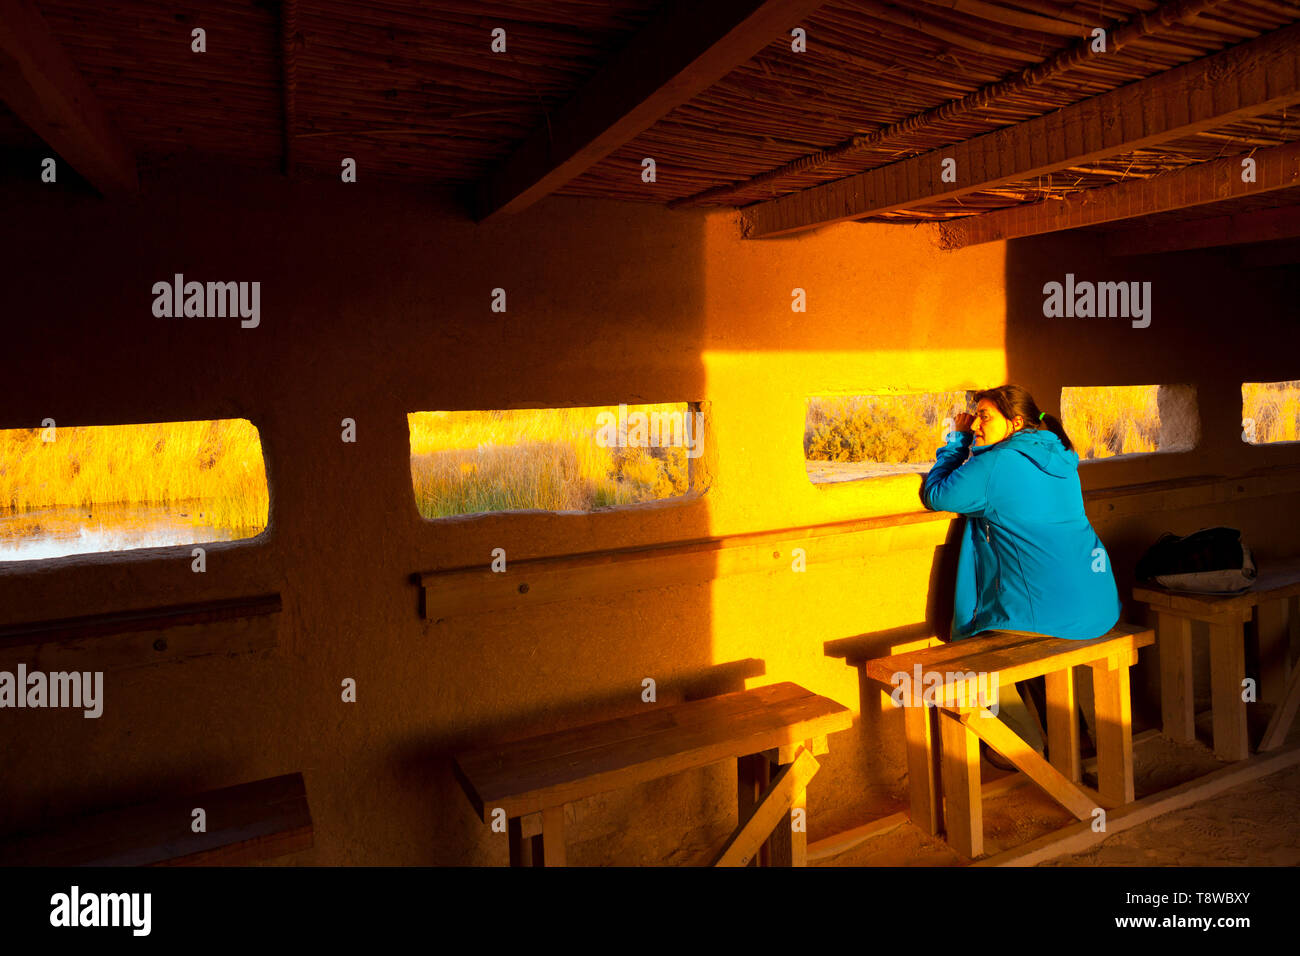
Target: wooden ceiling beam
column 1243, row 81
column 1257, row 225
column 45, row 90
column 1208, row 182
column 685, row 50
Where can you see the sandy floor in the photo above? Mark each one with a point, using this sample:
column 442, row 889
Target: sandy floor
column 1254, row 824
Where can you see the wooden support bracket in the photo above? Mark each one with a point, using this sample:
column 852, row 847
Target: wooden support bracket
column 763, row 818
column 1278, row 727
column 1055, row 784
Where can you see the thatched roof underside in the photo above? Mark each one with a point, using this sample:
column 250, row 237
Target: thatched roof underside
column 412, row 91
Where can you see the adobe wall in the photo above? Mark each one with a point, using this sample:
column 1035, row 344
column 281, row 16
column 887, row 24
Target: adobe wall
column 375, row 302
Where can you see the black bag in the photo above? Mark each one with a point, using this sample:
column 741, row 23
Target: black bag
column 1209, row 561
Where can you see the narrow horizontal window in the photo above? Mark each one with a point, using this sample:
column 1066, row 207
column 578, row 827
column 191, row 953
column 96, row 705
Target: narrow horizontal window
column 1270, row 412
column 1105, row 421
column 553, row 459
column 847, row 437
column 79, row 490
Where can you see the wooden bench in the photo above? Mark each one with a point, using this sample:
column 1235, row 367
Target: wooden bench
column 245, row 823
column 962, row 722
column 781, row 724
column 1268, row 603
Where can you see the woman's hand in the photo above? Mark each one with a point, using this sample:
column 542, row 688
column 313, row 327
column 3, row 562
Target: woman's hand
column 963, row 421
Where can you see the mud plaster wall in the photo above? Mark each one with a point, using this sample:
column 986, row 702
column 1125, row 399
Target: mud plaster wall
column 375, row 302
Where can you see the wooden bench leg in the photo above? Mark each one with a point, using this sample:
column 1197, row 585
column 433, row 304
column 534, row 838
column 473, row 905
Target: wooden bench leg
column 1004, row 740
column 1227, row 671
column 1063, row 725
column 537, row 839
column 1174, row 642
column 922, row 779
column 1283, row 716
column 753, row 774
column 786, row 846
column 771, row 814
column 524, row 850
column 553, row 853
column 963, row 812
column 1272, row 631
column 1110, row 690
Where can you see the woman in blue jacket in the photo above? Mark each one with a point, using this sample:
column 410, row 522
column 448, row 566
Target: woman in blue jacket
column 1029, row 560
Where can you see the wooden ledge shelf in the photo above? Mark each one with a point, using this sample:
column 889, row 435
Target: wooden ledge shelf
column 537, row 581
column 547, row 580
column 1192, row 491
column 119, row 639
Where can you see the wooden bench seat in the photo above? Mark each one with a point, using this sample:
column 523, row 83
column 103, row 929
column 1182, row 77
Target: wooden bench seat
column 245, row 823
column 781, row 724
column 1271, row 604
column 957, row 722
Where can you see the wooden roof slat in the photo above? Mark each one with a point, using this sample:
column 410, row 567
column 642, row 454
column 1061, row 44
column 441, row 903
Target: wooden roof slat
column 1276, row 168
column 1111, row 123
column 969, row 107
column 412, row 90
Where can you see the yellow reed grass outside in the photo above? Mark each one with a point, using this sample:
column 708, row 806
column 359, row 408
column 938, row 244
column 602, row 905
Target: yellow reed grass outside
column 1270, row 411
column 1107, row 420
column 481, row 461
column 471, row 462
column 1102, row 421
column 906, row 429
column 216, row 463
column 885, row 429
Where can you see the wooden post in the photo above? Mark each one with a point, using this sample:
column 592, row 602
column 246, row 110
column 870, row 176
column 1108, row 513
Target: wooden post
column 1110, row 687
column 1276, row 731
column 921, row 776
column 753, row 773
column 1063, row 725
column 756, row 828
column 788, row 846
column 553, row 853
column 1174, row 641
column 785, row 846
column 964, row 813
column 1227, row 671
column 524, row 850
column 1272, row 631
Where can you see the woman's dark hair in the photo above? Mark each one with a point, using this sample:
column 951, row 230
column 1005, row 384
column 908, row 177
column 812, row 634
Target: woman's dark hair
column 1012, row 400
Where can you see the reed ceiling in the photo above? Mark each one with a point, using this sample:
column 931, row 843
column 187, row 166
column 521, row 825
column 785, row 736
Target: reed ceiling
column 413, row 92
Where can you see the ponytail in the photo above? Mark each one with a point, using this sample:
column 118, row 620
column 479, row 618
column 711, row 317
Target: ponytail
column 1053, row 424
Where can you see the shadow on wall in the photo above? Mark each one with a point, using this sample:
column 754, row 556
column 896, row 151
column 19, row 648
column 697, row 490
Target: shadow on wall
column 350, row 273
column 1215, row 318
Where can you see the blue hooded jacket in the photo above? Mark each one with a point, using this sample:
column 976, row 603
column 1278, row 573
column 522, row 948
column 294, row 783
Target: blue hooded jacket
column 1029, row 559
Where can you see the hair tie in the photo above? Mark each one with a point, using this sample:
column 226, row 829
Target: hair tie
column 1040, row 415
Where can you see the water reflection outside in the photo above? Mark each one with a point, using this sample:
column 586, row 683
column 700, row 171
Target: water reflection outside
column 85, row 489
column 56, row 532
